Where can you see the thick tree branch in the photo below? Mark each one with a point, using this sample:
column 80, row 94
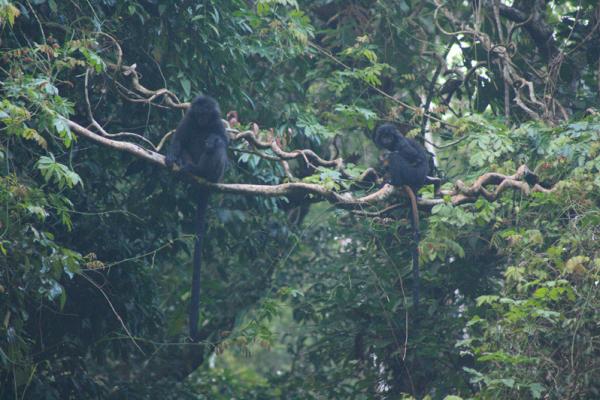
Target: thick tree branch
column 341, row 200
column 461, row 194
column 149, row 96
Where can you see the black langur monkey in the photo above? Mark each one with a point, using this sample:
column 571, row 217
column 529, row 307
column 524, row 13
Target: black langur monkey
column 408, row 166
column 199, row 147
column 407, row 162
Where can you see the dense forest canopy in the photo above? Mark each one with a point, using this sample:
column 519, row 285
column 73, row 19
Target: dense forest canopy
column 306, row 288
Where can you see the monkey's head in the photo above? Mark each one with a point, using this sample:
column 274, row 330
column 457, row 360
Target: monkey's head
column 386, row 136
column 205, row 110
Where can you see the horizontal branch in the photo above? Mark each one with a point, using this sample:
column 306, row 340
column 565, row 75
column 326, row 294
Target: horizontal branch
column 342, row 200
column 461, row 194
column 149, row 96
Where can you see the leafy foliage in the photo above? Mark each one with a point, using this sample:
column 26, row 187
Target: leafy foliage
column 299, row 299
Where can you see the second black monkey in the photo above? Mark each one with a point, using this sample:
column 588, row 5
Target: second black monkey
column 408, row 166
column 407, row 160
column 199, row 147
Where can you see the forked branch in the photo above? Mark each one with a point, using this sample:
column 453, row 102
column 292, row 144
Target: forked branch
column 365, row 204
column 461, row 193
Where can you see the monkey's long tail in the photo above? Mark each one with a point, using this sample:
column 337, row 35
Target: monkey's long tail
column 197, row 263
column 415, row 249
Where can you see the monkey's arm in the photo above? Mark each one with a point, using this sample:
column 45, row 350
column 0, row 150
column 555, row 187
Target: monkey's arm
column 180, row 142
column 174, row 151
column 191, row 168
column 210, row 166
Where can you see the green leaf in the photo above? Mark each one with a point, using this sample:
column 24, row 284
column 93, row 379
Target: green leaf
column 93, row 59
column 537, row 390
column 57, row 172
column 490, row 299
column 186, row 85
column 62, row 128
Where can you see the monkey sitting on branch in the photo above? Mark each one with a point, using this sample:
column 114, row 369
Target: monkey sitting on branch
column 407, row 166
column 199, row 147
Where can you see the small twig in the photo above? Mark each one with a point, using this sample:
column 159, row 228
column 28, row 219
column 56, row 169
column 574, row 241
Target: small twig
column 376, row 213
column 164, row 139
column 443, row 146
column 116, row 44
column 431, row 90
column 113, row 310
column 99, row 127
column 417, row 110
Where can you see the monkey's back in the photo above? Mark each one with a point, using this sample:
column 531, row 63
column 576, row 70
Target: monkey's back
column 408, row 166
